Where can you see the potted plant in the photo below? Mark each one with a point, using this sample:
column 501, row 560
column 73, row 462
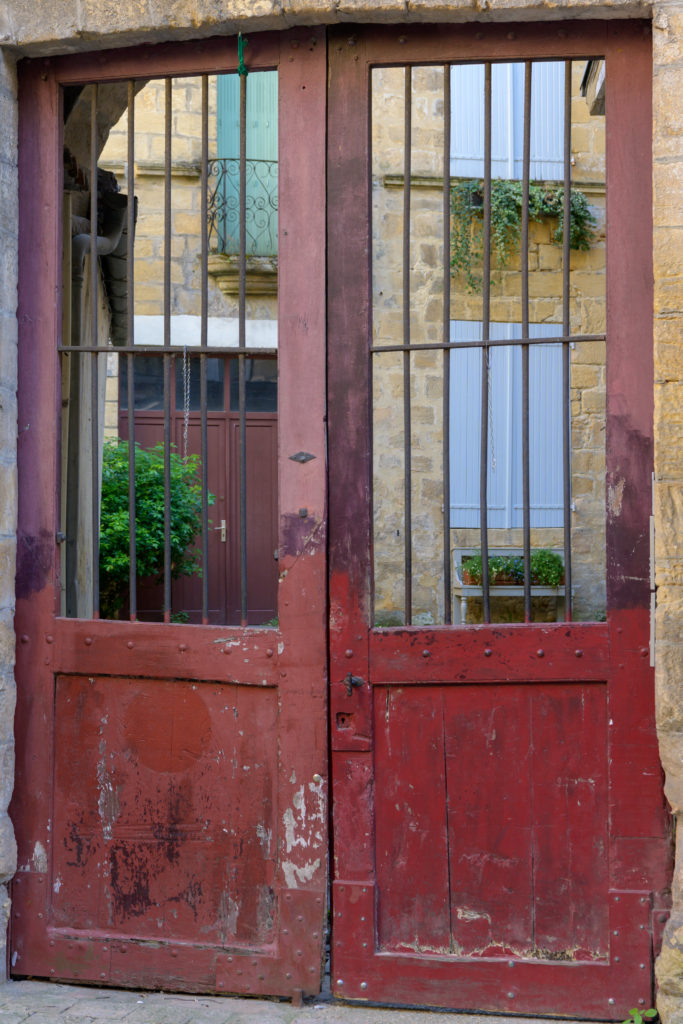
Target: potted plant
column 546, row 569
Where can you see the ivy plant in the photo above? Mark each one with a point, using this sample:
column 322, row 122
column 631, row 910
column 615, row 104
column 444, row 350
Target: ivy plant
column 186, row 519
column 467, row 222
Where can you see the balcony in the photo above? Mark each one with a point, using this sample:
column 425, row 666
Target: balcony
column 260, row 207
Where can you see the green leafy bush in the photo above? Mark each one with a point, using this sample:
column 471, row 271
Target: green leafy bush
column 186, row 519
column 546, row 567
column 467, row 228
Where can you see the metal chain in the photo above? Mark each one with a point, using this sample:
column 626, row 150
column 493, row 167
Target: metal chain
column 186, row 399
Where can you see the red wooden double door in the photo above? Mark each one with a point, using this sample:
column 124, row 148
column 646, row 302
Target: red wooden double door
column 492, row 793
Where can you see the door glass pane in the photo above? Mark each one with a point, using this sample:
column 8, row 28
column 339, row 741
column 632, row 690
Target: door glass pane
column 261, row 385
column 481, row 341
column 170, row 504
column 187, row 384
column 148, row 383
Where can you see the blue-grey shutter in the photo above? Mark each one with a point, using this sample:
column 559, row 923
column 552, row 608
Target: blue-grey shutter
column 466, row 369
column 545, row 431
column 504, row 473
column 507, row 120
column 261, row 207
column 547, row 121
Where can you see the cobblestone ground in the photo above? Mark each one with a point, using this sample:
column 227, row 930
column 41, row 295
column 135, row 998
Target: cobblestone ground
column 37, row 1002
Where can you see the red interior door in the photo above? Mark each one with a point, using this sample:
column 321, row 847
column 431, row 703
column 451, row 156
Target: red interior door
column 170, row 801
column 499, row 827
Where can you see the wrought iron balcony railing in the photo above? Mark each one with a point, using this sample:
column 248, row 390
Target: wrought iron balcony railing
column 260, row 212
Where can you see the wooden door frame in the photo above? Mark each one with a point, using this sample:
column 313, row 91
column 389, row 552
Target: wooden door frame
column 618, row 648
column 293, row 659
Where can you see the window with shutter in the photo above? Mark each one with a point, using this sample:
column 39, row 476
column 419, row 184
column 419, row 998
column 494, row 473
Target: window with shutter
column 261, row 158
column 507, row 120
column 505, row 427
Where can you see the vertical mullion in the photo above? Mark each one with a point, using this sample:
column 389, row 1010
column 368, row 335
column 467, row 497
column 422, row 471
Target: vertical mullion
column 167, row 343
column 485, row 352
column 526, row 495
column 407, row 428
column 130, row 289
column 446, row 414
column 566, row 403
column 242, row 346
column 94, row 383
column 204, row 184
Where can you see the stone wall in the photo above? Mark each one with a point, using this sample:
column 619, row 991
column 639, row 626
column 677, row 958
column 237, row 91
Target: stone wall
column 8, row 473
column 668, row 492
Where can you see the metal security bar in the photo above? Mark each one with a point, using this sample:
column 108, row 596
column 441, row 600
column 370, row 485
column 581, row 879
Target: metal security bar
column 524, row 258
column 130, row 324
column 156, row 422
column 407, row 418
column 384, row 344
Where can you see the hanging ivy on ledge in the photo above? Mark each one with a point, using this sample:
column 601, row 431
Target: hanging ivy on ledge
column 467, row 201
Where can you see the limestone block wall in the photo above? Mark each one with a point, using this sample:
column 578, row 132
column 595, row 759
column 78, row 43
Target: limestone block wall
column 668, row 491
column 8, row 472
column 427, row 369
column 149, row 189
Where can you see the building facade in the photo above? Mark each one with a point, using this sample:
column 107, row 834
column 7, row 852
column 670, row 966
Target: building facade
column 40, row 33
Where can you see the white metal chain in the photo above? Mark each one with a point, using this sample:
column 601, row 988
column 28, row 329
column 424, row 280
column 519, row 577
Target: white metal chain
column 186, row 399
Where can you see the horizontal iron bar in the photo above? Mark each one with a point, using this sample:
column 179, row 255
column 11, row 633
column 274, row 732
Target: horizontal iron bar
column 490, row 343
column 165, row 350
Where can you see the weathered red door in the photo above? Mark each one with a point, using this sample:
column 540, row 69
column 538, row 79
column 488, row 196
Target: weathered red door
column 170, row 807
column 499, row 827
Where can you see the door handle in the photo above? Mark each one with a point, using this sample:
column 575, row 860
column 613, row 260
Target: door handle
column 223, row 529
column 352, row 681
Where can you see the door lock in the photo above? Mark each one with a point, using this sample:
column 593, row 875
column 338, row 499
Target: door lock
column 352, row 681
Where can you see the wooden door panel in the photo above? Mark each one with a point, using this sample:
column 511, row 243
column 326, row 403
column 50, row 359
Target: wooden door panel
column 261, row 485
column 187, row 590
column 161, row 793
column 491, row 820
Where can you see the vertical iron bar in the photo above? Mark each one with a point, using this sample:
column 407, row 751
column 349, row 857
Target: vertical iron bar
column 94, row 382
column 204, row 312
column 524, row 255
column 566, row 378
column 485, row 352
column 130, row 289
column 242, row 346
column 168, row 110
column 446, row 414
column 407, row 427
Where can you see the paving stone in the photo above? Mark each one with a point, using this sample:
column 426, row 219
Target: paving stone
column 35, row 1002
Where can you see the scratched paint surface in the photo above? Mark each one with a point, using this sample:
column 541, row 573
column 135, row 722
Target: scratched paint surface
column 494, row 807
column 164, row 804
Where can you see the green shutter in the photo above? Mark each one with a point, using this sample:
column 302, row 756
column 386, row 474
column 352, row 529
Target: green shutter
column 261, row 201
